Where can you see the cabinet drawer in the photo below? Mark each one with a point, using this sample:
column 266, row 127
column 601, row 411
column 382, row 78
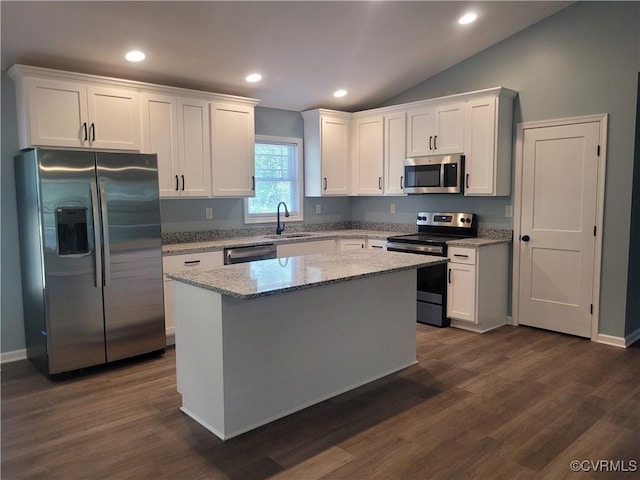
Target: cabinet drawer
column 199, row 261
column 462, row 255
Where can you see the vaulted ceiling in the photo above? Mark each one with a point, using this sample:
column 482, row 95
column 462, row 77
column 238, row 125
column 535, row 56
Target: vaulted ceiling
column 304, row 50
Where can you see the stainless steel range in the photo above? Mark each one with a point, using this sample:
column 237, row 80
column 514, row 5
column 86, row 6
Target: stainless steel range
column 435, row 229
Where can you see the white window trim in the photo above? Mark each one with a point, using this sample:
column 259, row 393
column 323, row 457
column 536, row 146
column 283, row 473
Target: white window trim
column 299, row 216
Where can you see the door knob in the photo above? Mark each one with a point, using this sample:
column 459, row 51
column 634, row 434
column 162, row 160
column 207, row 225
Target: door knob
column 525, row 238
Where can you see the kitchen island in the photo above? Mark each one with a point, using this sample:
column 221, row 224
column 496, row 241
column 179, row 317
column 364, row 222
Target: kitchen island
column 260, row 340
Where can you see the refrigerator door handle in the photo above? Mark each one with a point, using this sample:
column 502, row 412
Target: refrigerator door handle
column 96, row 233
column 105, row 234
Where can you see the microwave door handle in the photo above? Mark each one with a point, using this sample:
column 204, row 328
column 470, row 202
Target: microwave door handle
column 442, row 167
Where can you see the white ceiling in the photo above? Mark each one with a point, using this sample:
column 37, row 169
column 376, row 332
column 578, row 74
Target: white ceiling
column 304, row 50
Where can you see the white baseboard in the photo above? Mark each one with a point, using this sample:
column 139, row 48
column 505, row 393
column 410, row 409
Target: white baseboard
column 611, row 340
column 631, row 338
column 510, row 320
column 14, row 356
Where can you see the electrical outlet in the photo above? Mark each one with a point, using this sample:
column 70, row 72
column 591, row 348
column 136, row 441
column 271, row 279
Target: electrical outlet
column 508, row 211
column 392, row 209
column 318, row 209
column 208, row 213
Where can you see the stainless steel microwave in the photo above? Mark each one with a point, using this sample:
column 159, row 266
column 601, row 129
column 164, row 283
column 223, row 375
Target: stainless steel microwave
column 434, row 174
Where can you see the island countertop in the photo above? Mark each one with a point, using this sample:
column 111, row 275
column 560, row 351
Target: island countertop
column 270, row 277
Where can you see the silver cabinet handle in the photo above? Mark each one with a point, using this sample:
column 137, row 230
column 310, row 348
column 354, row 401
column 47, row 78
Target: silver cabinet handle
column 96, row 233
column 105, row 235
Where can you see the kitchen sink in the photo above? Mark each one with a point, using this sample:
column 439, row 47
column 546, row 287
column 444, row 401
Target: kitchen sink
column 289, row 235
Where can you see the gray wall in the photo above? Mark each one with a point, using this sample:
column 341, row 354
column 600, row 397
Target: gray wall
column 633, row 283
column 583, row 60
column 184, row 215
column 11, row 325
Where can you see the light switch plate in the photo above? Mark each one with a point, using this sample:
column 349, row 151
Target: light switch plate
column 508, row 211
column 318, row 209
column 208, row 213
column 392, row 209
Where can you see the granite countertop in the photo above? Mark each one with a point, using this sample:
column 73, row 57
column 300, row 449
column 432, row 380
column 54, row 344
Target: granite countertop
column 490, row 237
column 271, row 277
column 477, row 242
column 214, row 245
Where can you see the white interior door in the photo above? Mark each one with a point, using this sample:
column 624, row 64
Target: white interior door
column 558, row 216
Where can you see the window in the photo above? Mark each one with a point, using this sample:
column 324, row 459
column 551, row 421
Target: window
column 278, row 179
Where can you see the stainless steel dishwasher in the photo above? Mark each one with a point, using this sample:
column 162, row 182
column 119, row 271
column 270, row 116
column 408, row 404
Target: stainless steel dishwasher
column 249, row 254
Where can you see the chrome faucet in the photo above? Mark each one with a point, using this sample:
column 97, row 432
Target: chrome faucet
column 280, row 228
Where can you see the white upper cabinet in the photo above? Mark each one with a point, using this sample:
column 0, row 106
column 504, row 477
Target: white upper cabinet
column 177, row 130
column 368, row 155
column 326, row 152
column 60, row 113
column 488, row 145
column 232, row 150
column 437, row 130
column 395, row 134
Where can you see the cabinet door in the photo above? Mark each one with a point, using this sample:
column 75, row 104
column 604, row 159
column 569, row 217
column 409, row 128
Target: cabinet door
column 160, row 136
column 479, row 146
column 334, row 147
column 114, row 118
column 461, row 292
column 449, row 129
column 368, row 160
column 420, row 131
column 57, row 113
column 395, row 147
column 193, row 147
column 232, row 150
column 351, row 244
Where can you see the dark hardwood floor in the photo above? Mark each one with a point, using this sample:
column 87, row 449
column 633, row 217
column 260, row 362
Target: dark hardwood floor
column 514, row 403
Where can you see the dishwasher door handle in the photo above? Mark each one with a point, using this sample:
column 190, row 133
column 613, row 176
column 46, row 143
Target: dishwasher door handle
column 248, row 254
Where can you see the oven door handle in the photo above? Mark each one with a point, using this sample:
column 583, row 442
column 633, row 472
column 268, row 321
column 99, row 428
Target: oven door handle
column 411, row 248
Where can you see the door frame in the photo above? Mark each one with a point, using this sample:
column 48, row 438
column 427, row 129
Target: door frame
column 602, row 119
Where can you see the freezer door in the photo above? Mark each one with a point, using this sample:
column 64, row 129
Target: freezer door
column 72, row 270
column 132, row 273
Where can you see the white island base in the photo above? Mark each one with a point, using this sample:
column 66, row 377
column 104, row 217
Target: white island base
column 244, row 363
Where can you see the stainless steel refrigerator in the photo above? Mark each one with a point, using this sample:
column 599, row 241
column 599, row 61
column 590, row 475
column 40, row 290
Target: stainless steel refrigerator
column 91, row 256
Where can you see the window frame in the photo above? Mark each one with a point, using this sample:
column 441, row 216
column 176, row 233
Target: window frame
column 298, row 216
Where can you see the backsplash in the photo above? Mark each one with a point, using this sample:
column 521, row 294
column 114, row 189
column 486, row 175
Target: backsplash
column 210, row 235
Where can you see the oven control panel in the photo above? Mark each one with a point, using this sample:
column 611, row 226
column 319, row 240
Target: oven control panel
column 464, row 220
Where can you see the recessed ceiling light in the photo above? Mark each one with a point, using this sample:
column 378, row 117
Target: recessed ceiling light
column 467, row 18
column 135, row 56
column 339, row 93
column 254, row 77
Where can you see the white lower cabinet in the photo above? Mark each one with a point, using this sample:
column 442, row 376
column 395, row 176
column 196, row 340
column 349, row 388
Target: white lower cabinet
column 179, row 263
column 351, row 244
column 477, row 284
column 305, row 248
